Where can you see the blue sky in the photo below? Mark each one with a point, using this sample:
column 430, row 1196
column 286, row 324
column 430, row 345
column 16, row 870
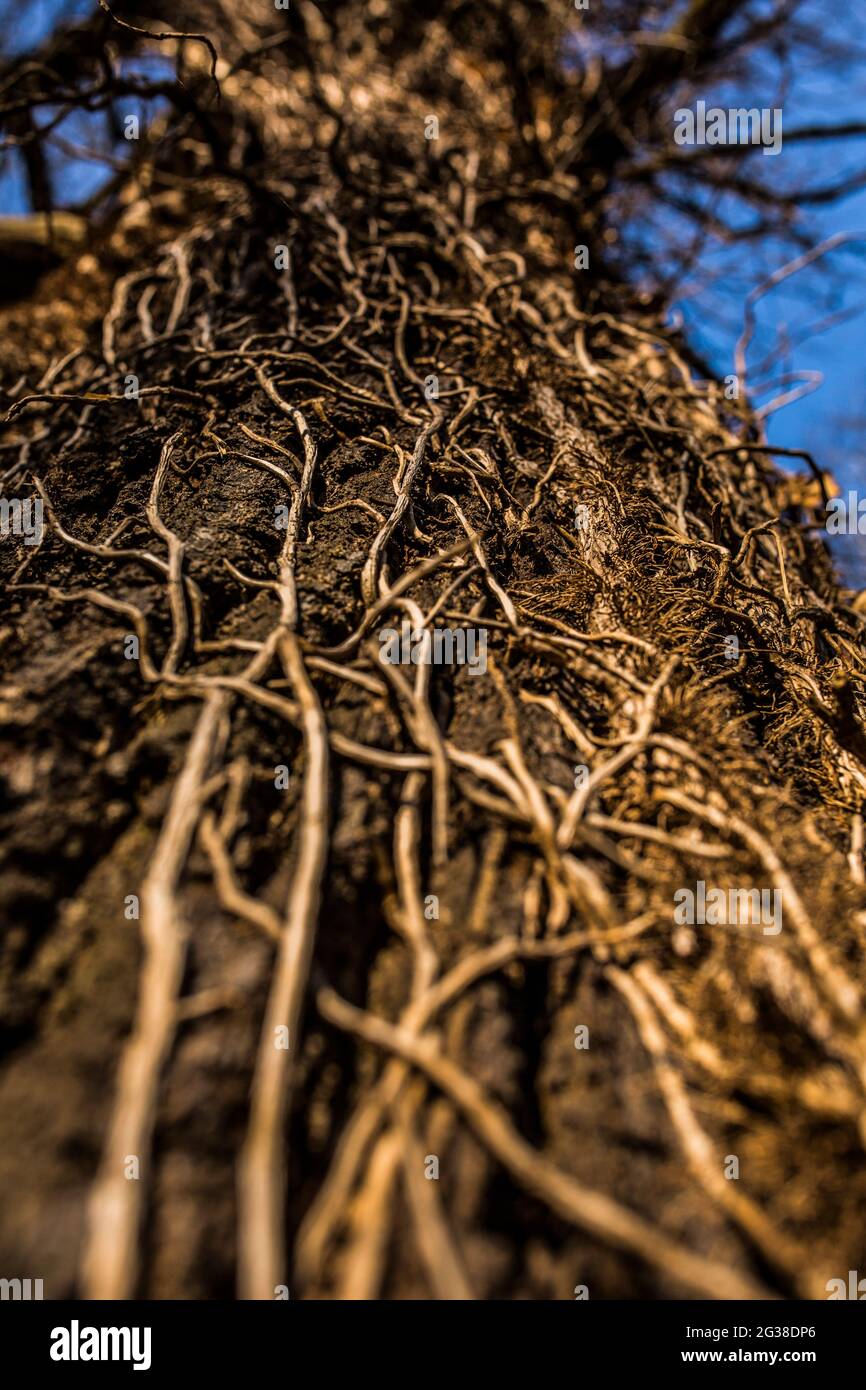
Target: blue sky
column 830, row 421
column 23, row 25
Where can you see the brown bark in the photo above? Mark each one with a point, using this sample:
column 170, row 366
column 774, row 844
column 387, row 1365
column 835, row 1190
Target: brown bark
column 466, row 868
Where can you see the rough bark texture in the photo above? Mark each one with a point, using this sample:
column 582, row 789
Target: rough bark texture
column 465, row 868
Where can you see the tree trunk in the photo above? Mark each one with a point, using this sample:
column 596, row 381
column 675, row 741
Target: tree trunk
column 336, row 968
